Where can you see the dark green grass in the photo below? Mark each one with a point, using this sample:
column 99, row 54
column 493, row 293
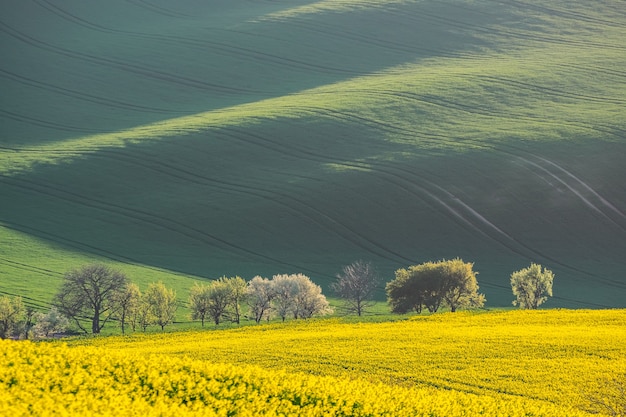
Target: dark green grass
column 190, row 141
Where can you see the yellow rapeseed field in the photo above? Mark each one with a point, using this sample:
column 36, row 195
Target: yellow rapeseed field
column 517, row 363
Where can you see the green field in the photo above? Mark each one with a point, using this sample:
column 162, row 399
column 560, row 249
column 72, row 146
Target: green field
column 188, row 140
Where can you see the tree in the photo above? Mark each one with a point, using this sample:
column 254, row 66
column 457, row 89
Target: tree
column 284, row 291
column 50, row 323
column 531, row 286
column 237, row 287
column 199, row 302
column 163, row 304
column 462, row 288
column 432, row 284
column 29, row 320
column 405, row 292
column 219, row 294
column 259, row 297
column 127, row 300
column 296, row 294
column 356, row 285
column 90, row 292
column 309, row 299
column 143, row 315
column 11, row 314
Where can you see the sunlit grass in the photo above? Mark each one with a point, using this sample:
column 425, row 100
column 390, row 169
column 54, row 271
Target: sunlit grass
column 443, row 103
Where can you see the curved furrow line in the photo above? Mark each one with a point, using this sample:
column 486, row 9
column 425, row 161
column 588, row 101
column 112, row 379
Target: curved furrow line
column 586, row 186
column 31, row 268
column 595, row 69
column 227, row 49
column 411, row 187
column 455, row 213
column 487, row 112
column 578, row 194
column 569, row 14
column 35, row 303
column 84, row 96
column 553, row 91
column 474, row 110
column 526, row 250
column 145, row 217
column 124, row 66
column 44, row 123
column 72, row 18
column 582, row 303
column 473, row 214
column 82, row 247
column 300, row 208
column 479, row 389
column 373, row 123
column 158, row 9
column 511, row 33
column 331, row 31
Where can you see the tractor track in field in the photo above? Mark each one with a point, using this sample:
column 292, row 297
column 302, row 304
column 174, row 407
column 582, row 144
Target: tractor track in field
column 146, row 5
column 476, row 110
column 334, row 33
column 594, row 69
column 585, row 186
column 31, row 268
column 121, row 105
column 457, row 209
column 526, row 36
column 455, row 213
column 224, row 48
column 127, row 67
column 553, row 91
column 568, row 14
column 46, row 124
column 139, row 215
column 579, row 188
column 461, row 211
column 295, row 205
column 29, row 230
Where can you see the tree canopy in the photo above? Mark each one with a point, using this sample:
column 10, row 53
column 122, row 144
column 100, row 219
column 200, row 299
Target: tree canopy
column 162, row 302
column 356, row 285
column 531, row 286
column 449, row 282
column 90, row 292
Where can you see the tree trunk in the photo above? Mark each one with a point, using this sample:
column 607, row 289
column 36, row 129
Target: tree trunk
column 95, row 324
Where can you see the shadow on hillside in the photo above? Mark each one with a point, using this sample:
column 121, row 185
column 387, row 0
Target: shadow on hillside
column 71, row 71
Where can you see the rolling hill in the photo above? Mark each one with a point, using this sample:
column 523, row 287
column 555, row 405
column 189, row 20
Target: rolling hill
column 188, row 140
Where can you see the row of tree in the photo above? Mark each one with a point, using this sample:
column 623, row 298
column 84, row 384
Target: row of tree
column 18, row 320
column 93, row 295
column 285, row 295
column 453, row 284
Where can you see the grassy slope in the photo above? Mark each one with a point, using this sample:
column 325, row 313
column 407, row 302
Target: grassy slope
column 195, row 140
